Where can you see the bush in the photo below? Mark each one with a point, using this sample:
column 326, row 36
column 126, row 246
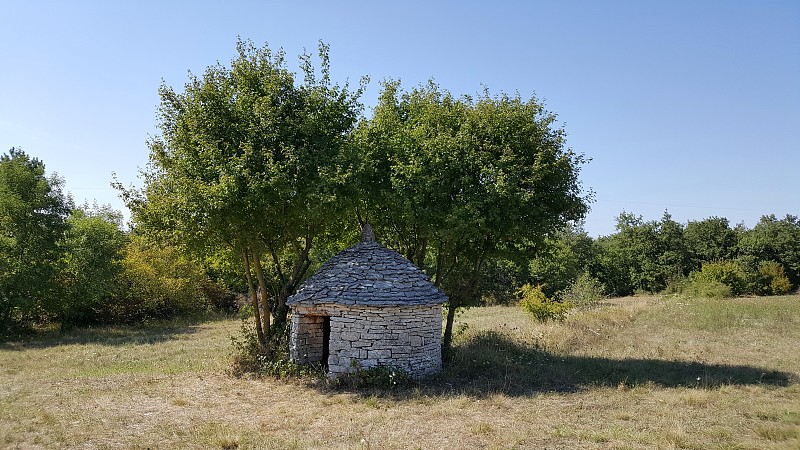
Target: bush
column 707, row 289
column 159, row 282
column 729, row 273
column 250, row 357
column 221, row 298
column 584, row 291
column 677, row 284
column 543, row 309
column 91, row 265
column 773, row 278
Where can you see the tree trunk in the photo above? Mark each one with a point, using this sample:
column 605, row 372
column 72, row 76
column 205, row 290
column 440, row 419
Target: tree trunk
column 253, row 299
column 263, row 288
column 464, row 297
column 300, row 268
column 421, row 253
column 447, row 340
column 5, row 319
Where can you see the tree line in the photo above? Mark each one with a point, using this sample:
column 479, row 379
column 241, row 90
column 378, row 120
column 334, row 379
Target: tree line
column 74, row 265
column 703, row 257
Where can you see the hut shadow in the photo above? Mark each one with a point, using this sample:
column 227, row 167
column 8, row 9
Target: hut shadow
column 493, row 364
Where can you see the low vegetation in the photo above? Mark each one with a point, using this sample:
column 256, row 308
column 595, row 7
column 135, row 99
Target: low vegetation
column 543, row 309
column 638, row 372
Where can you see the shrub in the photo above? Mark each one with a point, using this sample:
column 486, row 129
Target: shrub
column 90, row 265
column 676, row 284
column 543, row 309
column 250, row 357
column 248, row 354
column 729, row 273
column 584, row 291
column 159, row 282
column 707, row 289
column 220, row 297
column 773, row 278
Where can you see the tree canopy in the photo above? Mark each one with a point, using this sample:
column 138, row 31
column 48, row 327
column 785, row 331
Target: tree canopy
column 456, row 182
column 33, row 212
column 250, row 158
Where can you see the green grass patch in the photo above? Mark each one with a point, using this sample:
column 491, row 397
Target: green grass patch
column 774, row 314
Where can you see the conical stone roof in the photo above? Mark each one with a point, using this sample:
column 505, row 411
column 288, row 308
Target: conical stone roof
column 368, row 274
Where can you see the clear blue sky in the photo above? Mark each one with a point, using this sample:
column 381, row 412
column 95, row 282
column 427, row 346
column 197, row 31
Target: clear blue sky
column 686, row 106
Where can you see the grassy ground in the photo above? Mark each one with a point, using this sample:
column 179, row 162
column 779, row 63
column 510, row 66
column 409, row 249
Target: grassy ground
column 633, row 373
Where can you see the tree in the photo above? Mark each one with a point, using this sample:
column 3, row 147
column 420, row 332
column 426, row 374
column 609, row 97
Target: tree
column 774, row 239
column 33, row 209
column 641, row 255
column 627, row 259
column 566, row 255
column 250, row 159
column 456, row 182
column 673, row 260
column 91, row 266
column 709, row 240
column 612, row 265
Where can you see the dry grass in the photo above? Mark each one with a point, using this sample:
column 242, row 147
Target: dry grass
column 634, row 373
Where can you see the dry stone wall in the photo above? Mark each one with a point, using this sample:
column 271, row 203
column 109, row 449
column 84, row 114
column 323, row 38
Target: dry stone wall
column 404, row 337
column 307, row 338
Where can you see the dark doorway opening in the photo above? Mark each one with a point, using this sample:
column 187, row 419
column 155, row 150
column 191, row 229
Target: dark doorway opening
column 326, row 339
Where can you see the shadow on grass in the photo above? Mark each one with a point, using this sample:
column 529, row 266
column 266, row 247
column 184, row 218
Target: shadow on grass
column 105, row 335
column 491, row 364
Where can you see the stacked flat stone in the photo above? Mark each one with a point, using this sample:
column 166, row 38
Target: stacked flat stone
column 382, row 310
column 368, row 274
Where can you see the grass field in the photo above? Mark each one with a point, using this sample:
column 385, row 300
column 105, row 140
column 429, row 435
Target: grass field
column 639, row 372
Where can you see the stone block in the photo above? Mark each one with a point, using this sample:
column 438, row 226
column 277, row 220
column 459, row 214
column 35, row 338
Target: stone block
column 350, row 336
column 380, row 354
column 369, row 362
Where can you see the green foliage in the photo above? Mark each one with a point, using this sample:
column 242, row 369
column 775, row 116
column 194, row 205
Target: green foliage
column 252, row 357
column 33, row 211
column 775, row 240
column 91, row 265
column 611, row 265
column 773, row 278
column 219, row 297
column 676, row 285
column 535, row 302
column 729, row 273
column 722, row 279
column 653, row 256
column 705, row 288
column 641, row 256
column 584, row 291
column 160, row 282
column 708, row 240
column 455, row 183
column 565, row 256
column 500, row 281
column 250, row 159
column 248, row 352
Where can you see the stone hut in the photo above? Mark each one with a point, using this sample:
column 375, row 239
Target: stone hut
column 368, row 306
